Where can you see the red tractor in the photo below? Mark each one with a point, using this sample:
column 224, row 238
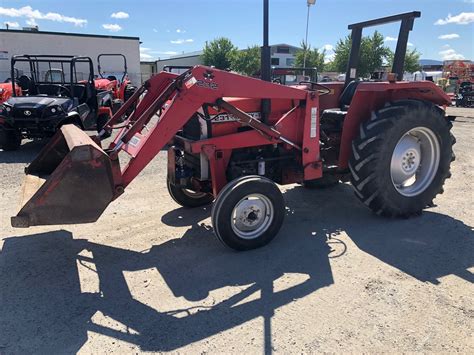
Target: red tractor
column 117, row 83
column 6, row 88
column 6, row 91
column 391, row 140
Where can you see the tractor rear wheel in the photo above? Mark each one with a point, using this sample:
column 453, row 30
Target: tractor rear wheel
column 402, row 158
column 188, row 198
column 248, row 213
column 10, row 139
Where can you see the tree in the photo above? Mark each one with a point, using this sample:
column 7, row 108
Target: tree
column 314, row 58
column 412, row 60
column 247, row 61
column 373, row 54
column 219, row 53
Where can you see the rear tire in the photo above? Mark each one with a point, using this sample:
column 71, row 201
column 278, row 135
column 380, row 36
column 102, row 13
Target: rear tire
column 402, row 158
column 248, row 213
column 188, row 198
column 129, row 91
column 10, row 139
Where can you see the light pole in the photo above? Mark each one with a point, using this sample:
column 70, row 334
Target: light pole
column 309, row 3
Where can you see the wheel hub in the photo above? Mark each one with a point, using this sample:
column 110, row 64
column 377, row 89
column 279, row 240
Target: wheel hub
column 415, row 161
column 249, row 214
column 252, row 216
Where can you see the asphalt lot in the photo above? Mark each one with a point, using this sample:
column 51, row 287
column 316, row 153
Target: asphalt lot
column 150, row 276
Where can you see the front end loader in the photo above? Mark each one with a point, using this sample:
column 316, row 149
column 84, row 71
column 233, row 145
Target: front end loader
column 390, row 139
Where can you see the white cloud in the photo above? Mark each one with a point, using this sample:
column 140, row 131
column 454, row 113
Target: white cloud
column 165, row 52
column 28, row 12
column 328, row 47
column 464, row 18
column 449, row 36
column 31, row 22
column 112, row 27
column 451, row 54
column 120, row 15
column 11, row 24
column 155, row 30
column 394, row 39
column 181, row 41
column 180, row 31
column 145, row 56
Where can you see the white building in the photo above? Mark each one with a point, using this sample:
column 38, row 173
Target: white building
column 32, row 41
column 282, row 56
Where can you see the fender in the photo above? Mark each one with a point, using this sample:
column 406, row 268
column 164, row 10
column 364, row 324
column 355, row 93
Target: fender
column 372, row 96
column 105, row 110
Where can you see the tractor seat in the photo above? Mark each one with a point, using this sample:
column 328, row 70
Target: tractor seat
column 344, row 100
column 332, row 120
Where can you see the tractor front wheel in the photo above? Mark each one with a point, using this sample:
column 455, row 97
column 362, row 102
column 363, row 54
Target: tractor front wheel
column 402, row 158
column 248, row 213
column 10, row 139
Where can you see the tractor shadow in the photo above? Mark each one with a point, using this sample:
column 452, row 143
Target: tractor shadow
column 25, row 154
column 45, row 310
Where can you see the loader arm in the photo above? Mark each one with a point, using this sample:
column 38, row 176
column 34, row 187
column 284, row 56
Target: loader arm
column 179, row 97
column 73, row 180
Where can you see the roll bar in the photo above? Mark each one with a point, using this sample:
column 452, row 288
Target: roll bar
column 407, row 20
column 125, row 69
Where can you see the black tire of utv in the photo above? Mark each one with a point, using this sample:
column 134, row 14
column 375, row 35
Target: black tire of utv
column 372, row 153
column 129, row 91
column 230, row 195
column 102, row 119
column 323, row 183
column 183, row 199
column 10, row 140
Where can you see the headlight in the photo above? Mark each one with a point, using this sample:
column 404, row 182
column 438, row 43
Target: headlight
column 5, row 110
column 53, row 111
column 1, row 90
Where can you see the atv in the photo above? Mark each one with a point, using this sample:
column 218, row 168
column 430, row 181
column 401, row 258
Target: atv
column 52, row 97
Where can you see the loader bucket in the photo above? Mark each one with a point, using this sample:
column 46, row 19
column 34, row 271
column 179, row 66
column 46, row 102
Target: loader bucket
column 70, row 181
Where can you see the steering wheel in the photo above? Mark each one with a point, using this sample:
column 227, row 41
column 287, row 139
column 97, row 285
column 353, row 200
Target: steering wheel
column 323, row 91
column 63, row 90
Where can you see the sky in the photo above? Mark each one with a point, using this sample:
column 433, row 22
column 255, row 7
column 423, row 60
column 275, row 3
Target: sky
column 169, row 27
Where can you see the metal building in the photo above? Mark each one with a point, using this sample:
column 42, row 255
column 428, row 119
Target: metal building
column 32, row 41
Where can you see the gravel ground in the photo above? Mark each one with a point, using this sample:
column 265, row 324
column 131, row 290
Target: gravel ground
column 150, row 276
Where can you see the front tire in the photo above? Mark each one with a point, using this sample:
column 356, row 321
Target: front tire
column 10, row 139
column 402, row 158
column 248, row 213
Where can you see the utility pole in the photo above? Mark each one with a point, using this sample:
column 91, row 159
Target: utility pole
column 309, row 3
column 265, row 62
column 266, row 55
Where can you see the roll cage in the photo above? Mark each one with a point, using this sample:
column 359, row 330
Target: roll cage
column 64, row 61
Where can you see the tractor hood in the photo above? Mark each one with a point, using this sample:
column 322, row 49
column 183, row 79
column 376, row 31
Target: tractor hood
column 34, row 106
